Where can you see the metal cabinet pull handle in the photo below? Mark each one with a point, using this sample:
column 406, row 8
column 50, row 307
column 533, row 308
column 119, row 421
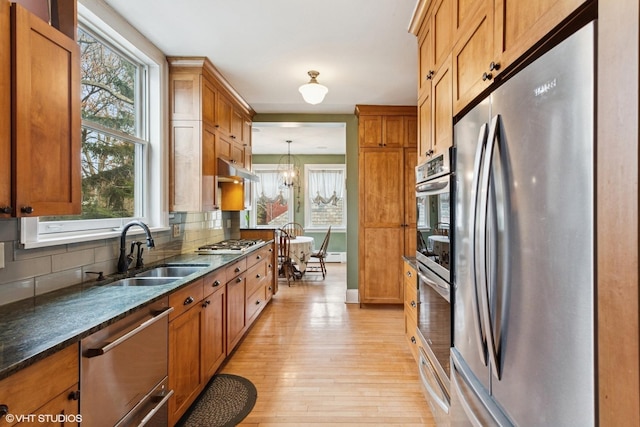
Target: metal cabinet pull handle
column 216, row 283
column 93, row 352
column 188, row 301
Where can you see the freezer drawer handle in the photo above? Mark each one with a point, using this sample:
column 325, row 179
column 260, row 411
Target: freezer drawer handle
column 151, row 413
column 93, row 352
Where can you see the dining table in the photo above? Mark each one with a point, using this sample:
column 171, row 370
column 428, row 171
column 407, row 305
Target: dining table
column 300, row 250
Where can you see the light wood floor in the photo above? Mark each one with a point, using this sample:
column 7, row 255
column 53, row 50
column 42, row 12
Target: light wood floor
column 318, row 361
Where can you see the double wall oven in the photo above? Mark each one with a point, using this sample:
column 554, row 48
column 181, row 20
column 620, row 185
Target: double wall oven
column 434, row 182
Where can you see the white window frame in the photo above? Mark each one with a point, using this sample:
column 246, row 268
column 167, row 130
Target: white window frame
column 290, row 201
column 102, row 21
column 310, row 167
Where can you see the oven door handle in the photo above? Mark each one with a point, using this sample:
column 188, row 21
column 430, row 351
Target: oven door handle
column 445, row 291
column 432, row 188
column 93, row 352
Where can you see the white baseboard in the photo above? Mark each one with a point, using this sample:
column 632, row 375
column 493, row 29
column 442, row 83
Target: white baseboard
column 336, row 257
column 352, row 296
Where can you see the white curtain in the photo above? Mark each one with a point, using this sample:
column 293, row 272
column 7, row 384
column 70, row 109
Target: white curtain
column 268, row 187
column 326, row 186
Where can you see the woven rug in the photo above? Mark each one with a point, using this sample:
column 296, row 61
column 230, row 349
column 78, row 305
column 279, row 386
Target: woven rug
column 225, row 402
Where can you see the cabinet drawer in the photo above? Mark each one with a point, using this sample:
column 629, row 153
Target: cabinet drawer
column 236, row 268
column 256, row 276
column 31, row 388
column 259, row 255
column 255, row 302
column 185, row 298
column 214, row 281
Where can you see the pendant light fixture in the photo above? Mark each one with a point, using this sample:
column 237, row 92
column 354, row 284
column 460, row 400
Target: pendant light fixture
column 313, row 92
column 289, row 169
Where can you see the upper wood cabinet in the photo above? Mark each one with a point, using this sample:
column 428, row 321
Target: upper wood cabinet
column 486, row 38
column 386, row 126
column 5, row 111
column 204, row 118
column 45, row 119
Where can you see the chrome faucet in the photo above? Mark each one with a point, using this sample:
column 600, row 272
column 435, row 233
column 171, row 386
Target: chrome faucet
column 124, row 260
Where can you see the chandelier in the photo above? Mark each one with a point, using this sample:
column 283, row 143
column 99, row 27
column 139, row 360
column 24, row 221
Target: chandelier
column 313, row 92
column 289, row 169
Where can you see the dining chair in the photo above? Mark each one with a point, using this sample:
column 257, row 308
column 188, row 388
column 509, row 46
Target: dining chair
column 320, row 255
column 285, row 265
column 293, row 229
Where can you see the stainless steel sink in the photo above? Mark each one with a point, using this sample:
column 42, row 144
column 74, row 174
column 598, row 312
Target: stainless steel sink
column 144, row 281
column 172, row 271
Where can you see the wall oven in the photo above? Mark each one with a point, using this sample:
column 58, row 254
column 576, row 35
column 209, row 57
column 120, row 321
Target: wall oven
column 434, row 182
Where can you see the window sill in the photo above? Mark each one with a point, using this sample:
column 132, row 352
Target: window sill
column 83, row 237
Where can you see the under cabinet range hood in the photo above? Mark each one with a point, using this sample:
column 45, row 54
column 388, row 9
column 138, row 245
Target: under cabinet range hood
column 229, row 172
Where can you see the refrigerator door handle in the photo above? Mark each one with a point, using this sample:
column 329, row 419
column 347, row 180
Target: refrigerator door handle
column 484, row 206
column 475, row 192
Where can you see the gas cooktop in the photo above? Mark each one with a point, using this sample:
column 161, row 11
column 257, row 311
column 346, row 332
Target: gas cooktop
column 232, row 246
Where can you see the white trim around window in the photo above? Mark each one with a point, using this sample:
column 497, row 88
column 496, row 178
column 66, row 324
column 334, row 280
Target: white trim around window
column 103, row 21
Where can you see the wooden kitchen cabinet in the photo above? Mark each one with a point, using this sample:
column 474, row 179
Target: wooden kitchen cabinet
column 45, row 123
column 206, row 116
column 186, row 325
column 49, row 386
column 410, row 280
column 5, row 111
column 268, row 252
column 214, row 344
column 386, row 180
column 192, row 166
column 441, row 110
column 236, row 299
column 383, row 131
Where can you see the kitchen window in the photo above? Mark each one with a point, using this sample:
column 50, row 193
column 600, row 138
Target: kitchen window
column 325, row 196
column 121, row 105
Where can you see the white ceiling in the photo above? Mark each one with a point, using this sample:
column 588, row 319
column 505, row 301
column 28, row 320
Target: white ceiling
column 264, row 48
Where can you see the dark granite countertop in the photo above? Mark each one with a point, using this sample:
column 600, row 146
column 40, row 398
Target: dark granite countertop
column 35, row 328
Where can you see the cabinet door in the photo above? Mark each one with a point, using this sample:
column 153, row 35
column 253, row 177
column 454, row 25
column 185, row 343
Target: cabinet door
column 442, row 111
column 236, row 125
column 411, row 131
column 235, row 311
column 208, row 102
column 5, row 111
column 472, row 57
column 442, row 23
column 425, row 57
column 185, row 368
column 46, row 121
column 425, row 126
column 393, row 134
column 246, row 131
column 381, row 265
column 213, row 332
column 370, row 131
column 381, row 185
column 224, row 112
column 209, row 166
column 184, row 91
column 61, row 405
column 185, row 183
column 520, row 24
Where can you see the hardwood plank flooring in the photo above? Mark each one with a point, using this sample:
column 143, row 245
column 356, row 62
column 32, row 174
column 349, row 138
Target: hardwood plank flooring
column 318, row 361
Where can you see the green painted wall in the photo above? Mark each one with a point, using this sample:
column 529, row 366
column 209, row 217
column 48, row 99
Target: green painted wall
column 351, row 160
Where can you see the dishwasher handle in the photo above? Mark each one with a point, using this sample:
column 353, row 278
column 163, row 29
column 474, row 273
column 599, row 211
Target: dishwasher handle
column 93, row 352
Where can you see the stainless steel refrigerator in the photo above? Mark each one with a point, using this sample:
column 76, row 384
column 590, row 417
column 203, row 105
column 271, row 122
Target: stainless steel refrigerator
column 523, row 299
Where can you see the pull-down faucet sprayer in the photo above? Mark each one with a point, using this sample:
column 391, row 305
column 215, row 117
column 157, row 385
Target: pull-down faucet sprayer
column 124, row 260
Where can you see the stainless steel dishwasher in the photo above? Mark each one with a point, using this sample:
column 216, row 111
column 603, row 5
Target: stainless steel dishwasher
column 123, row 376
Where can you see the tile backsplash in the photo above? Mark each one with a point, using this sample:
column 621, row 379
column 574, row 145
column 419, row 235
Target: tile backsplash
column 31, row 272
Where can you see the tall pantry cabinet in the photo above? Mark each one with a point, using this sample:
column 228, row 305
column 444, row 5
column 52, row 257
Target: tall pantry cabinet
column 387, row 156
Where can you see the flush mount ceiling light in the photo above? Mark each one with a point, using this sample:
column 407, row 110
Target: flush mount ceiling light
column 313, row 92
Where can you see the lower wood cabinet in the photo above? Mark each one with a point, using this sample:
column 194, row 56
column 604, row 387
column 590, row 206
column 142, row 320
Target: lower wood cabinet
column 214, row 334
column 236, row 284
column 186, row 326
column 47, row 388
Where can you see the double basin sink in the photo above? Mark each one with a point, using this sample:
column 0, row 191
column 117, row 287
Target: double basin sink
column 161, row 275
